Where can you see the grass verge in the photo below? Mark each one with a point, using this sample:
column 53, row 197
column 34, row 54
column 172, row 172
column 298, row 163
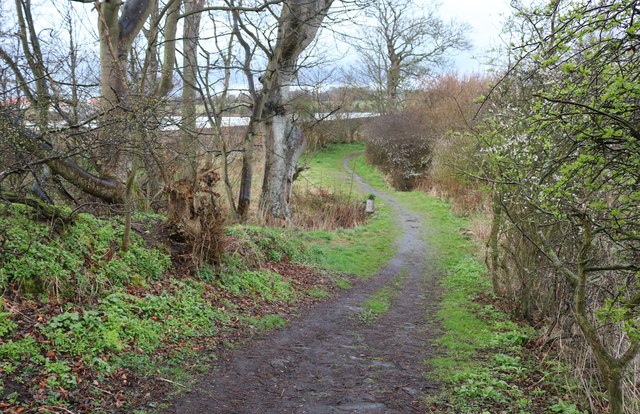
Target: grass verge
column 487, row 362
column 361, row 250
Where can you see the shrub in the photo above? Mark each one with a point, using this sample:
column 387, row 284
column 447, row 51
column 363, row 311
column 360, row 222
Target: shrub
column 399, row 146
column 449, row 108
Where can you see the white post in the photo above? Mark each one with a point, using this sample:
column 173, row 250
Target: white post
column 370, row 207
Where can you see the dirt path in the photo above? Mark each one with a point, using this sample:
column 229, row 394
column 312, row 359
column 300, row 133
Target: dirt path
column 329, row 360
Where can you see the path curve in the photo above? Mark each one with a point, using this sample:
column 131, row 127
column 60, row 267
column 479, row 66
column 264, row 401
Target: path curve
column 328, row 360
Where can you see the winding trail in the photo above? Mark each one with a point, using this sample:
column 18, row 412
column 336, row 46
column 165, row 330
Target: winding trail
column 328, row 360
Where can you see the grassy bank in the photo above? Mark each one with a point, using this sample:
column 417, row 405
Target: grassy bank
column 83, row 322
column 361, row 250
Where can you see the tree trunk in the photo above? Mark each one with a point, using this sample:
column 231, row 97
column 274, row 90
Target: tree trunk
column 393, row 79
column 610, row 368
column 492, row 254
column 244, row 194
column 117, row 30
column 614, row 390
column 113, row 75
column 189, row 137
column 284, row 144
column 298, row 25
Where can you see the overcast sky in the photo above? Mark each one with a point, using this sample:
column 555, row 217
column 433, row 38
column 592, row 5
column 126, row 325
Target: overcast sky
column 486, row 18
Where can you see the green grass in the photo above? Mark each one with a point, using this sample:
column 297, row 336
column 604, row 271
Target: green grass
column 379, row 302
column 265, row 323
column 483, row 358
column 318, row 293
column 362, row 250
column 325, row 168
column 343, row 283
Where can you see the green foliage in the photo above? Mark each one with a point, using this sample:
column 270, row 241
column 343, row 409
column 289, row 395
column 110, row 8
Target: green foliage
column 478, row 388
column 266, row 323
column 563, row 150
column 60, row 374
column 119, row 330
column 257, row 284
column 24, row 349
column 565, row 407
column 515, row 336
column 6, row 324
column 343, row 284
column 80, row 258
column 122, row 322
column 318, row 293
column 259, row 245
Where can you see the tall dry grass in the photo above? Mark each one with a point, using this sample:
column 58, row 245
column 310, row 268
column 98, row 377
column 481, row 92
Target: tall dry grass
column 323, row 209
column 313, row 208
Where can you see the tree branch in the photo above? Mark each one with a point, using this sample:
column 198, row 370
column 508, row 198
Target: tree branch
column 629, row 267
column 105, row 188
column 634, row 132
column 557, row 263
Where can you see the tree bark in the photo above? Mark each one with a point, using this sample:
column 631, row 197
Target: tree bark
column 299, row 23
column 284, row 144
column 117, row 31
column 104, row 188
column 492, row 253
column 189, row 137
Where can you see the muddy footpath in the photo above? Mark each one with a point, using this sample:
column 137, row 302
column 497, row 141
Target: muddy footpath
column 331, row 361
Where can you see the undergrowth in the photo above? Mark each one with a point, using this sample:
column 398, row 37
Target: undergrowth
column 82, row 322
column 80, row 319
column 76, row 259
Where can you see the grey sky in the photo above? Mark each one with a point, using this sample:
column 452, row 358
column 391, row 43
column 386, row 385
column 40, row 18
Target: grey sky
column 486, row 17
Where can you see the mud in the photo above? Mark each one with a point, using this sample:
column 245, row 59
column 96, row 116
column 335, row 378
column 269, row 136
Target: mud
column 329, row 360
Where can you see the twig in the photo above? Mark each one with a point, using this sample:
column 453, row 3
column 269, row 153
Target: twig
column 53, row 407
column 172, row 382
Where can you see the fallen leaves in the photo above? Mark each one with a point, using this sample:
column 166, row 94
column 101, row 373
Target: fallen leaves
column 114, row 392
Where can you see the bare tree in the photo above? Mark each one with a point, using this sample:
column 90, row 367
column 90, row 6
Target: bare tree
column 404, row 41
column 297, row 26
column 188, row 140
